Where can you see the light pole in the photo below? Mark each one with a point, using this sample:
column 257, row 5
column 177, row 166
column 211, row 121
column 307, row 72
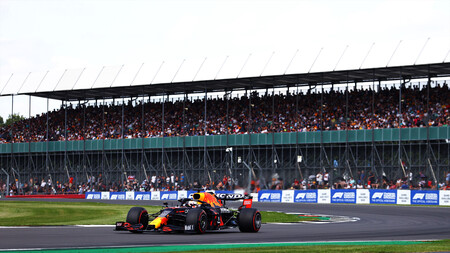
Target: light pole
column 230, row 151
column 7, row 181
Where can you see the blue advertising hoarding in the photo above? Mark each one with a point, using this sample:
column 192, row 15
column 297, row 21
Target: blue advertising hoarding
column 117, row 196
column 305, row 196
column 424, row 197
column 169, row 195
column 269, row 196
column 343, row 196
column 383, row 196
column 142, row 196
column 93, row 195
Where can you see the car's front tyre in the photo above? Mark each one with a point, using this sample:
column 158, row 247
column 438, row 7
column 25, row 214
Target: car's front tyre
column 138, row 215
column 196, row 221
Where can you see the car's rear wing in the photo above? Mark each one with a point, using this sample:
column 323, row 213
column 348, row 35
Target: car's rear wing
column 231, row 196
column 247, row 199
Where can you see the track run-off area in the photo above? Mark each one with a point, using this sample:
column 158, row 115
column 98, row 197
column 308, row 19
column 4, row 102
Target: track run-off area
column 364, row 224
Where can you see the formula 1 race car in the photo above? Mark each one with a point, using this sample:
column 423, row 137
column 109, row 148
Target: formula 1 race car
column 204, row 211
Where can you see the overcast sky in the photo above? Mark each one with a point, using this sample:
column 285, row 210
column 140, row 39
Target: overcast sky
column 42, row 35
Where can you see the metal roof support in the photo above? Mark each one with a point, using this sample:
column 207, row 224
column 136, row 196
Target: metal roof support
column 342, row 55
column 395, row 50
column 6, row 83
column 421, row 51
column 173, row 78
column 312, row 65
column 217, row 74
column 370, row 49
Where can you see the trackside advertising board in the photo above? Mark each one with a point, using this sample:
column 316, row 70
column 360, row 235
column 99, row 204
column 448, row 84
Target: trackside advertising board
column 383, row 197
column 305, row 196
column 93, row 195
column 403, row 197
column 105, row 195
column 322, row 196
column 269, row 196
column 172, row 195
column 117, row 196
column 444, row 198
column 343, row 196
column 424, row 197
column 142, row 195
column 362, row 196
column 287, row 196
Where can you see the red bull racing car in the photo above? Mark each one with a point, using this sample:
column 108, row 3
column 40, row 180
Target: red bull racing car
column 204, row 211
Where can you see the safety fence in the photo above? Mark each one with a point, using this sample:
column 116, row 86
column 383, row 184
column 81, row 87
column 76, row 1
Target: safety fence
column 324, row 196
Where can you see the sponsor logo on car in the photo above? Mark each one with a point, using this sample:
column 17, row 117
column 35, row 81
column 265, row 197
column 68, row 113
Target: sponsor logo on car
column 188, row 227
column 229, row 196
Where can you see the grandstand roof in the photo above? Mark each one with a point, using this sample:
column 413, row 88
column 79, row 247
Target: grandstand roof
column 258, row 82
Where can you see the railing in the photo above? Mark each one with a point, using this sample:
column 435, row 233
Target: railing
column 291, row 138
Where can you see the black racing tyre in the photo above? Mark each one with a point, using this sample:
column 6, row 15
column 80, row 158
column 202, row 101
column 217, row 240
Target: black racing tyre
column 196, row 221
column 249, row 220
column 138, row 215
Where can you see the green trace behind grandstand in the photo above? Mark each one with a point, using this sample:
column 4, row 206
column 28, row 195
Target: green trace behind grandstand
column 369, row 246
column 362, row 136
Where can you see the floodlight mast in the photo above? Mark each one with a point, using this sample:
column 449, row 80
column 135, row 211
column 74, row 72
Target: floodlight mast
column 7, row 181
column 230, row 151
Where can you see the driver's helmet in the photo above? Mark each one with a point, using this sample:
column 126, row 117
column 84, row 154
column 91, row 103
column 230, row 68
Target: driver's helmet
column 192, row 203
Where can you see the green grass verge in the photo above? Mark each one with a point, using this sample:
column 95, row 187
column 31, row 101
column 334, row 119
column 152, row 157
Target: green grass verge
column 371, row 246
column 31, row 213
column 434, row 246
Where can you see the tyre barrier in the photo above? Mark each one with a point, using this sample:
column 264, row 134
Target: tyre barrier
column 325, row 196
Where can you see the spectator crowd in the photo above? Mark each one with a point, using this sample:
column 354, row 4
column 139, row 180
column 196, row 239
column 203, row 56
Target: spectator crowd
column 255, row 113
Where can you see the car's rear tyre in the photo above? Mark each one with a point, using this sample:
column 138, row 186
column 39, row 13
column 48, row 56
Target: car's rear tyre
column 138, row 215
column 196, row 221
column 249, row 220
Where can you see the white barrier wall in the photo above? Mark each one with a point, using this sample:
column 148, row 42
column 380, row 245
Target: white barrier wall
column 322, row 196
column 444, row 198
column 362, row 196
column 287, row 196
column 403, row 197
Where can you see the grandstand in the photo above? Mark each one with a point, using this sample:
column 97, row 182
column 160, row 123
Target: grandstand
column 386, row 122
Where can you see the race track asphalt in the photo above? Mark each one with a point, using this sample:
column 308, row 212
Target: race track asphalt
column 376, row 222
